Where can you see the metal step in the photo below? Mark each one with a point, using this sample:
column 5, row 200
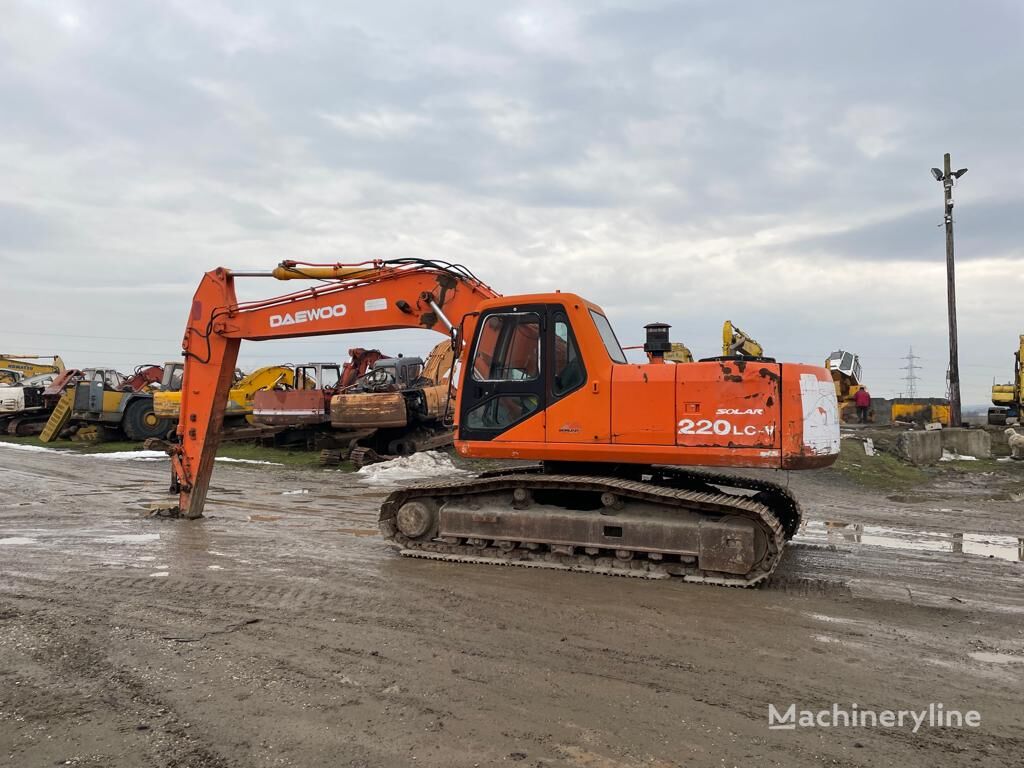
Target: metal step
column 59, row 418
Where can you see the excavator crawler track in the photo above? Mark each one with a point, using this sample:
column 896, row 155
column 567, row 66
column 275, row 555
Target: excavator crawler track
column 671, row 524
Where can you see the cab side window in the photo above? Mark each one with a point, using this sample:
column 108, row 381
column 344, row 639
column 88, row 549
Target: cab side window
column 508, row 348
column 568, row 365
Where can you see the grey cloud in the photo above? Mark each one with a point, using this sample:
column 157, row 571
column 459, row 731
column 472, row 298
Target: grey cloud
column 25, row 227
column 984, row 230
column 654, row 154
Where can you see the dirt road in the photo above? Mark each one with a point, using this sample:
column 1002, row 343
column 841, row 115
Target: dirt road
column 280, row 631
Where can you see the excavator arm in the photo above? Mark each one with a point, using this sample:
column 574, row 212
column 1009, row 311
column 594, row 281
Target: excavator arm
column 348, row 298
column 736, row 342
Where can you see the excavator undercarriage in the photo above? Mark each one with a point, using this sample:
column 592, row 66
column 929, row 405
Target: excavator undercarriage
column 652, row 522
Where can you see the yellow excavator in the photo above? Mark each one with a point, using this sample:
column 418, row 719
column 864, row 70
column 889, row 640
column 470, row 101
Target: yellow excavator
column 736, row 342
column 167, row 401
column 847, row 377
column 1006, row 398
column 14, row 368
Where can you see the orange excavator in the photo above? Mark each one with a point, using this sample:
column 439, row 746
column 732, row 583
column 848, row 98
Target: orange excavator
column 542, row 377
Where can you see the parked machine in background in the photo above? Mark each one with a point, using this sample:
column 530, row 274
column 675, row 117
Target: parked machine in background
column 1006, row 398
column 542, row 377
column 847, row 376
column 737, row 343
column 99, row 399
column 305, row 402
column 14, row 368
column 167, row 401
column 23, row 411
column 404, row 401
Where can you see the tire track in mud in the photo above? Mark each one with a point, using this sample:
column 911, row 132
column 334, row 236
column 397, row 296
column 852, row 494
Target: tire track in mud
column 72, row 678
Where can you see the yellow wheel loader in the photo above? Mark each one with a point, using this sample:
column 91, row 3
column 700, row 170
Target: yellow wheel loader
column 167, row 402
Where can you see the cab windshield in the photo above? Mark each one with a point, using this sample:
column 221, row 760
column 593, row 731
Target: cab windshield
column 608, row 337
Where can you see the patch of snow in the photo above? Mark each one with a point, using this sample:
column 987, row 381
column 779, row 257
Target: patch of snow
column 22, row 447
column 11, row 540
column 294, row 493
column 129, row 455
column 404, row 468
column 215, row 567
column 951, row 456
column 160, row 574
column 248, row 461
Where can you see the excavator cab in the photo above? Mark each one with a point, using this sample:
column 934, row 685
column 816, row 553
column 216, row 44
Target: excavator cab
column 547, row 379
column 523, row 358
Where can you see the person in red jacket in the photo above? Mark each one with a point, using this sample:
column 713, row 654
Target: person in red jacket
column 863, row 401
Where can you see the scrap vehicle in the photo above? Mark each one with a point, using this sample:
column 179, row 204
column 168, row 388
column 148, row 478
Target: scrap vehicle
column 167, row 401
column 104, row 397
column 847, row 376
column 1006, row 398
column 23, row 410
column 306, row 402
column 373, row 407
column 303, row 397
column 14, row 368
column 542, row 377
column 403, row 405
column 736, row 342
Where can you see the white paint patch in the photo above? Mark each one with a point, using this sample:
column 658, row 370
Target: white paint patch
column 821, row 415
column 417, row 466
column 11, row 541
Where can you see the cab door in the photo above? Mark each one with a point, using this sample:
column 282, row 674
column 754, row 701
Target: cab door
column 505, row 384
column 89, row 393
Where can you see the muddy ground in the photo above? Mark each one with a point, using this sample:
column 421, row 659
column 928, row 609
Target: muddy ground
column 281, row 631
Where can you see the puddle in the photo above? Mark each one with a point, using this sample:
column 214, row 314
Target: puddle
column 1009, row 548
column 996, row 658
column 129, row 538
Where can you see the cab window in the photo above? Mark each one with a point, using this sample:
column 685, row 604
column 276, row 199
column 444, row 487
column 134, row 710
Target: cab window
column 568, row 366
column 508, row 348
column 330, row 378
column 608, row 337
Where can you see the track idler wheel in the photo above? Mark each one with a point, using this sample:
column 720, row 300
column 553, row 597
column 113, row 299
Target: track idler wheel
column 417, row 519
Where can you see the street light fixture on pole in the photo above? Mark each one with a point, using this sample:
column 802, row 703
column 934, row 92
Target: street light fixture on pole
column 947, row 177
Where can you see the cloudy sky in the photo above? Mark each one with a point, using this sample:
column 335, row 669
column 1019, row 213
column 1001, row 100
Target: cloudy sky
column 688, row 162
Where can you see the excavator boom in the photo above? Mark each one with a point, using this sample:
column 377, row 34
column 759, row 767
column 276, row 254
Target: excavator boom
column 374, row 296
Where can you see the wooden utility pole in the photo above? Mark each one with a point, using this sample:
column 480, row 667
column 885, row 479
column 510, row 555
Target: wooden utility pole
column 954, row 359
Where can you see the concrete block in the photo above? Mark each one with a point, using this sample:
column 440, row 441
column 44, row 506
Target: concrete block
column 967, row 442
column 920, row 448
